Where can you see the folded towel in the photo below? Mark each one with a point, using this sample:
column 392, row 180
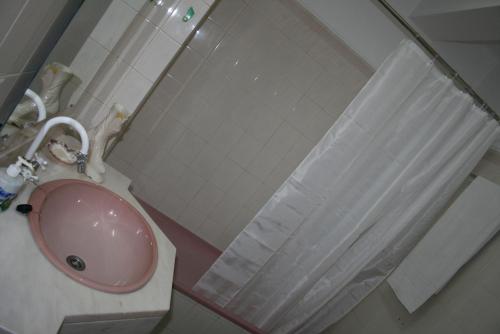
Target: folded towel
column 470, row 222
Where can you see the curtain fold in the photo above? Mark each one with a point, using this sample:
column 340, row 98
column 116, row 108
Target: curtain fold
column 357, row 204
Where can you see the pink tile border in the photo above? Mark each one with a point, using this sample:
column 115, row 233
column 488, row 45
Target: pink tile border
column 193, row 258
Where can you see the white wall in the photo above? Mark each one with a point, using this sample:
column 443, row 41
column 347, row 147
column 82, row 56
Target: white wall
column 85, row 45
column 361, row 24
column 236, row 113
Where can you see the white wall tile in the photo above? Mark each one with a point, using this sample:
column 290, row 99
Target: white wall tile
column 111, row 72
column 207, row 162
column 185, row 65
column 333, row 91
column 260, row 196
column 224, row 212
column 207, row 198
column 130, row 91
column 206, row 38
column 186, row 106
column 188, row 147
column 226, row 174
column 132, row 144
column 284, row 97
column 158, row 15
column 263, row 124
column 226, row 12
column 156, row 56
column 242, row 115
column 136, row 4
column 191, row 219
column 211, row 231
column 304, row 72
column 239, row 222
column 209, row 2
column 301, row 34
column 243, row 187
column 121, row 165
column 226, row 136
column 149, row 190
column 131, row 45
column 85, row 109
column 113, row 24
column 310, row 119
column 275, row 11
column 129, row 37
column 265, row 162
column 206, row 122
column 88, row 60
column 289, row 163
column 171, row 204
column 165, row 172
column 187, row 185
column 278, row 146
column 326, row 54
column 204, row 79
column 176, row 27
column 165, row 93
column 232, row 111
column 321, row 89
column 245, row 150
column 70, row 95
column 151, row 113
column 166, row 134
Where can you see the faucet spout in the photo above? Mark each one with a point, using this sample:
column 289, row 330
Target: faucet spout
column 84, row 150
column 42, row 112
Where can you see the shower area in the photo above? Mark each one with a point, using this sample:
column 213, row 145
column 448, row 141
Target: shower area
column 246, row 99
column 213, row 154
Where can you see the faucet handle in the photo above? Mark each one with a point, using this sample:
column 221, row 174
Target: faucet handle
column 81, row 161
column 23, row 167
column 40, row 161
column 29, row 176
column 27, row 170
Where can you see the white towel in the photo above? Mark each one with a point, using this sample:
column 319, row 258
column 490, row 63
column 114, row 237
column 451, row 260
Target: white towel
column 470, row 222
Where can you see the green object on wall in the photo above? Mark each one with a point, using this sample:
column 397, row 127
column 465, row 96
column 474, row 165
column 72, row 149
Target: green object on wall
column 189, row 14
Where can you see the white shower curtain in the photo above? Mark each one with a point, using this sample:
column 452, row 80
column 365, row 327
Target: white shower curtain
column 357, row 204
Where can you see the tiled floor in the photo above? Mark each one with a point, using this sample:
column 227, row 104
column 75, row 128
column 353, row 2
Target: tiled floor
column 256, row 88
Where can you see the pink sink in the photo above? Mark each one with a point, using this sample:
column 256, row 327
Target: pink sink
column 93, row 235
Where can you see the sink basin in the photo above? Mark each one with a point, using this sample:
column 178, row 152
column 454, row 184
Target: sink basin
column 93, row 235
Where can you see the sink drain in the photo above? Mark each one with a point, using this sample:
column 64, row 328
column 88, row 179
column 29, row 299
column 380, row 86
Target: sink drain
column 76, row 262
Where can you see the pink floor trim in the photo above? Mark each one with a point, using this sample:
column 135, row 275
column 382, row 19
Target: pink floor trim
column 194, row 257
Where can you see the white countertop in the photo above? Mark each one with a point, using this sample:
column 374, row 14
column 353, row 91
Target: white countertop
column 35, row 297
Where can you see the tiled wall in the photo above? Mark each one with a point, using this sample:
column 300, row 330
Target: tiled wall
column 87, row 42
column 188, row 317
column 119, row 56
column 256, row 88
column 139, row 57
column 27, row 28
column 84, row 46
